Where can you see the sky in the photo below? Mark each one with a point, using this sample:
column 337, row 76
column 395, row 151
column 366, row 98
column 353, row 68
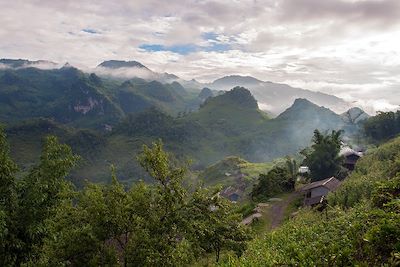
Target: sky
column 349, row 48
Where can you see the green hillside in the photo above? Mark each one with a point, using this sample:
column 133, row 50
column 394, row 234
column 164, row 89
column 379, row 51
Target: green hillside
column 225, row 171
column 360, row 227
column 66, row 95
column 230, row 113
column 72, row 97
column 226, row 125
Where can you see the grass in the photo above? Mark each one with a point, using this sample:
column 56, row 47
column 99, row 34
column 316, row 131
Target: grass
column 253, row 170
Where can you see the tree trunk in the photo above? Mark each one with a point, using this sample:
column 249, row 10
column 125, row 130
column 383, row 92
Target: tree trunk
column 217, row 254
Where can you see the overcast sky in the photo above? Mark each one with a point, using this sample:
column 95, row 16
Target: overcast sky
column 350, row 48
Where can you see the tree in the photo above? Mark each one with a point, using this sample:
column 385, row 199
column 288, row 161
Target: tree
column 99, row 226
column 39, row 194
column 383, row 126
column 323, row 159
column 215, row 224
column 292, row 169
column 276, row 181
column 106, row 225
column 8, row 204
column 170, row 227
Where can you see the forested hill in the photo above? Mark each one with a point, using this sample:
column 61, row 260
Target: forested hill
column 272, row 97
column 69, row 96
column 225, row 125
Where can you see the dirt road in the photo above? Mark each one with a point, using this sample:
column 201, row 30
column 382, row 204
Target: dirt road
column 278, row 208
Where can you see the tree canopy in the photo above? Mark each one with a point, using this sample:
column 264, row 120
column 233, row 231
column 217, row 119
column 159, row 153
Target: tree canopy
column 323, row 157
column 278, row 180
column 383, row 126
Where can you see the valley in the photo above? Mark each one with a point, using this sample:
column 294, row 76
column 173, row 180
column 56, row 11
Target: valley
column 116, row 129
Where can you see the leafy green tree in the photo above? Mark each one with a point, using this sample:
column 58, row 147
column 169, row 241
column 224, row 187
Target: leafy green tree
column 383, row 126
column 39, row 193
column 99, row 226
column 8, row 204
column 323, row 159
column 48, row 223
column 170, row 228
column 215, row 224
column 276, row 181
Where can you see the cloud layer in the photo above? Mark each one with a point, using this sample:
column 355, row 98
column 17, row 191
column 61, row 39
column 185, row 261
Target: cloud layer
column 344, row 47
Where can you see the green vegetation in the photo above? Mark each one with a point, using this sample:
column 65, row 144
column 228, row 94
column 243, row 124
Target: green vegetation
column 31, row 200
column 383, row 126
column 72, row 97
column 280, row 179
column 67, row 95
column 277, row 181
column 44, row 221
column 107, row 120
column 361, row 225
column 227, row 170
column 323, row 157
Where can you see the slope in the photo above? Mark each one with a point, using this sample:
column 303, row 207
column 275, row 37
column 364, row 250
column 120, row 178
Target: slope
column 226, row 125
column 67, row 95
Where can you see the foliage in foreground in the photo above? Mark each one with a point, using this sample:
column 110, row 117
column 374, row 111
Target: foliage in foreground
column 360, row 227
column 45, row 222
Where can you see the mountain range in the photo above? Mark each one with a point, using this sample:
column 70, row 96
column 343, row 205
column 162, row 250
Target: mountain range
column 276, row 97
column 272, row 97
column 107, row 120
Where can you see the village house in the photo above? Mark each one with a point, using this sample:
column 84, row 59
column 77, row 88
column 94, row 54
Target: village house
column 304, row 170
column 315, row 193
column 350, row 157
column 232, row 193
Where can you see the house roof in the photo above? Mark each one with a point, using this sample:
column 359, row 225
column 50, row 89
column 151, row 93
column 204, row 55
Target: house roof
column 230, row 190
column 347, row 151
column 330, row 183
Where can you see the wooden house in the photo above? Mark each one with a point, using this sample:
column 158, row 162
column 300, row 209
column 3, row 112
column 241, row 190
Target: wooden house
column 315, row 193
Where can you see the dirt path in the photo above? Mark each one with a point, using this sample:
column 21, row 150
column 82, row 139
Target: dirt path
column 278, row 208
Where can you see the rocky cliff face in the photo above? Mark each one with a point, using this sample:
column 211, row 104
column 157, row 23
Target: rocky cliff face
column 354, row 115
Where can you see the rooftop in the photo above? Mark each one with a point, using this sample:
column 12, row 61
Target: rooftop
column 330, row 183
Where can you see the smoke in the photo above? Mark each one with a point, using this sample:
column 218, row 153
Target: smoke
column 4, row 66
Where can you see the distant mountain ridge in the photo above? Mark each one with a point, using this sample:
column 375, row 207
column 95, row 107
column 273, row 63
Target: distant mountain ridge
column 272, row 97
column 24, row 63
column 275, row 97
column 115, row 64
